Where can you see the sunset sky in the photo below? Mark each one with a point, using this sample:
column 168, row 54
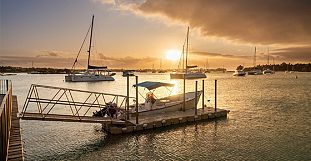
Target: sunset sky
column 139, row 33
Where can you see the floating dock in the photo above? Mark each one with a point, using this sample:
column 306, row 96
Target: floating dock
column 16, row 151
column 165, row 119
column 11, row 144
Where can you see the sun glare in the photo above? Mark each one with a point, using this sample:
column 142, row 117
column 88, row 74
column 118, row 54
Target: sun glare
column 173, row 54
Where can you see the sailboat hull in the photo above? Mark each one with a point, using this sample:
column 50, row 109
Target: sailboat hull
column 87, row 78
column 196, row 75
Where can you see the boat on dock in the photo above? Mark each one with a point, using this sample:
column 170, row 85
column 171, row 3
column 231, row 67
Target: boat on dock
column 187, row 73
column 92, row 73
column 154, row 105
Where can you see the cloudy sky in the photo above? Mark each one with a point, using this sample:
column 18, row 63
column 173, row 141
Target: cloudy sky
column 139, row 33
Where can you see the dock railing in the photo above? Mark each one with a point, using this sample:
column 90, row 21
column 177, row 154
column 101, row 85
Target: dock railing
column 80, row 104
column 5, row 116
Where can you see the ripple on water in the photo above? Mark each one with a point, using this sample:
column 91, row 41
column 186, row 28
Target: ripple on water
column 269, row 120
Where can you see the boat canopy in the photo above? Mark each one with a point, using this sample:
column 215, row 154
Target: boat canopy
column 153, row 85
column 97, row 67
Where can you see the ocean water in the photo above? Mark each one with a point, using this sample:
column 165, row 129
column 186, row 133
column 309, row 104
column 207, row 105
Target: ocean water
column 270, row 119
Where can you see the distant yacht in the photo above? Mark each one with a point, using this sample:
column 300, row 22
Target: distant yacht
column 186, row 72
column 93, row 73
column 255, row 71
column 239, row 73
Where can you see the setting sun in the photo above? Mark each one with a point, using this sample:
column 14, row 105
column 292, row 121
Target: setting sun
column 173, row 54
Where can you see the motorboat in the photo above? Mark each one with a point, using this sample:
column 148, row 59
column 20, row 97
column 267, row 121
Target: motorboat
column 154, row 105
column 239, row 73
column 92, row 73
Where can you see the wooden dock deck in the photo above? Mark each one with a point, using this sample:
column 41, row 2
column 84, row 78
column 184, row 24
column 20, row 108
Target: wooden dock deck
column 166, row 119
column 16, row 152
column 69, row 118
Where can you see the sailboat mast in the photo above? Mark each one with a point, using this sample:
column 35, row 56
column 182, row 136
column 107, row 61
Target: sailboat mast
column 183, row 57
column 254, row 61
column 187, row 48
column 89, row 51
column 268, row 56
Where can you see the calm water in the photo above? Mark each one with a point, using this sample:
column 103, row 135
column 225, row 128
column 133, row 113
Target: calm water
column 270, row 119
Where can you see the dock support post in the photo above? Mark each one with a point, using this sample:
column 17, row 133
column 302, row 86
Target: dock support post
column 136, row 99
column 215, row 95
column 184, row 101
column 203, row 94
column 7, row 85
column 196, row 98
column 127, row 97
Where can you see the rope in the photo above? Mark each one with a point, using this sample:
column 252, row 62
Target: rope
column 76, row 60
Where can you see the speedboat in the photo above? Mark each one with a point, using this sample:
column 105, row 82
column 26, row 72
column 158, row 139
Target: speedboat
column 239, row 73
column 154, row 105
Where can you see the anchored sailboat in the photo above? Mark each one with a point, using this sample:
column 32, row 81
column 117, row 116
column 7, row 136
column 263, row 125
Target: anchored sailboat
column 186, row 68
column 93, row 73
column 268, row 71
column 255, row 70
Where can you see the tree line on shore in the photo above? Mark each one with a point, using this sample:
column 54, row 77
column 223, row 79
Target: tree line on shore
column 299, row 67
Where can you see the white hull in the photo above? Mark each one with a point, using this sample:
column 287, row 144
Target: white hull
column 268, row 71
column 239, row 73
column 167, row 104
column 87, row 78
column 255, row 72
column 187, row 75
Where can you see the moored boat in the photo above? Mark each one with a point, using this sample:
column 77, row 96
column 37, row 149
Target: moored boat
column 93, row 73
column 239, row 73
column 186, row 72
column 268, row 71
column 154, row 105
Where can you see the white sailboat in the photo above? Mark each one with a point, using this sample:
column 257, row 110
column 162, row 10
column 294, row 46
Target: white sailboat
column 268, row 71
column 93, row 73
column 255, row 71
column 239, row 73
column 186, row 72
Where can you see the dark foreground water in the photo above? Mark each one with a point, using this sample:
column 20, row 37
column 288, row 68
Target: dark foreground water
column 270, row 119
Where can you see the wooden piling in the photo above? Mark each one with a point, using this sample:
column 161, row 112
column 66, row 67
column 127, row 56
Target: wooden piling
column 215, row 95
column 196, row 99
column 127, row 97
column 184, row 94
column 136, row 99
column 203, row 94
